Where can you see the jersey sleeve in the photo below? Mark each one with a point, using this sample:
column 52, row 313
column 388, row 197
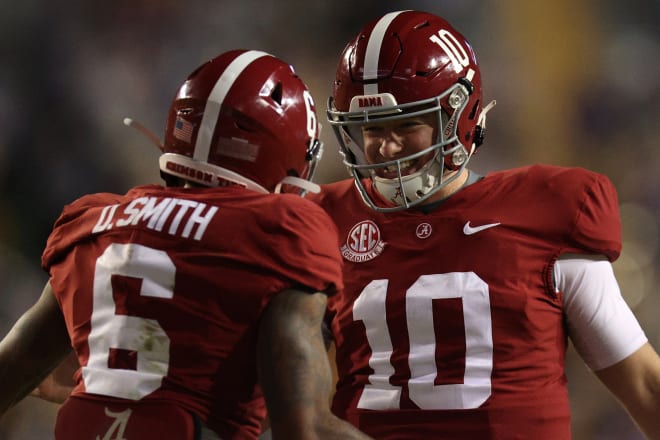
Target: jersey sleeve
column 70, row 227
column 597, row 226
column 303, row 243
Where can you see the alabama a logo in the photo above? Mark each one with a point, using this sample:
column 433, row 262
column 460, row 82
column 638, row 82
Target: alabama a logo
column 363, row 242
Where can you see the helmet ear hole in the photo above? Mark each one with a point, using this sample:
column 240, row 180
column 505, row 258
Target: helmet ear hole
column 473, row 112
column 276, row 95
column 422, row 25
column 479, row 135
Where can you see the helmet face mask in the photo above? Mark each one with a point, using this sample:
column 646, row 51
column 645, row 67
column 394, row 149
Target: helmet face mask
column 243, row 118
column 402, row 65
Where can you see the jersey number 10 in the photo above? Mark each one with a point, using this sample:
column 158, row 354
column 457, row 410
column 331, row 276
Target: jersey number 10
column 369, row 308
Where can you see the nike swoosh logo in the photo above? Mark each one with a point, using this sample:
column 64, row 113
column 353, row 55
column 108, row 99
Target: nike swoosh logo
column 469, row 230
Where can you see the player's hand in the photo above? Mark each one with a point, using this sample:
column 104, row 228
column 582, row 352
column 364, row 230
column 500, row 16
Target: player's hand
column 57, row 386
column 52, row 391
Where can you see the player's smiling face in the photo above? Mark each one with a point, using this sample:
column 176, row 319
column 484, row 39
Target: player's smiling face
column 394, row 140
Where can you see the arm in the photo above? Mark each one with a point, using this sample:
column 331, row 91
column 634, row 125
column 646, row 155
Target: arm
column 294, row 370
column 608, row 337
column 635, row 382
column 37, row 342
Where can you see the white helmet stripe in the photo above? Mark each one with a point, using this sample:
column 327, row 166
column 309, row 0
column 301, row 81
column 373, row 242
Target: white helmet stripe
column 373, row 51
column 217, row 96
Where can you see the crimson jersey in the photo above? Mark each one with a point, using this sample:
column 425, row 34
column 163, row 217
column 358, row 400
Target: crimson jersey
column 162, row 290
column 449, row 325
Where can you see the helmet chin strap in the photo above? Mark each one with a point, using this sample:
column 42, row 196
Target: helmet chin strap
column 482, row 116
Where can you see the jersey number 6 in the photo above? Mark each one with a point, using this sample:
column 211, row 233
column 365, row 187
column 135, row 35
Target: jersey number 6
column 112, row 331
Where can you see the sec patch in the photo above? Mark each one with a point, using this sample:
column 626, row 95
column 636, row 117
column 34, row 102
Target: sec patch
column 363, row 243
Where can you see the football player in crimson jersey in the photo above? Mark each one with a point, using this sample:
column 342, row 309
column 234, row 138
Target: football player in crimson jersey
column 462, row 290
column 179, row 300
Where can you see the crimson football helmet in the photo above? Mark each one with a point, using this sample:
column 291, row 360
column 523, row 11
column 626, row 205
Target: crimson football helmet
column 406, row 64
column 243, row 118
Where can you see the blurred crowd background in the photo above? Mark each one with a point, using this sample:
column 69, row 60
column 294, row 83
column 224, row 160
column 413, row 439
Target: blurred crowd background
column 576, row 83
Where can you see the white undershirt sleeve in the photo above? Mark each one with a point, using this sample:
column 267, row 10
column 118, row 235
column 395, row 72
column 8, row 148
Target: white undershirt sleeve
column 601, row 326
